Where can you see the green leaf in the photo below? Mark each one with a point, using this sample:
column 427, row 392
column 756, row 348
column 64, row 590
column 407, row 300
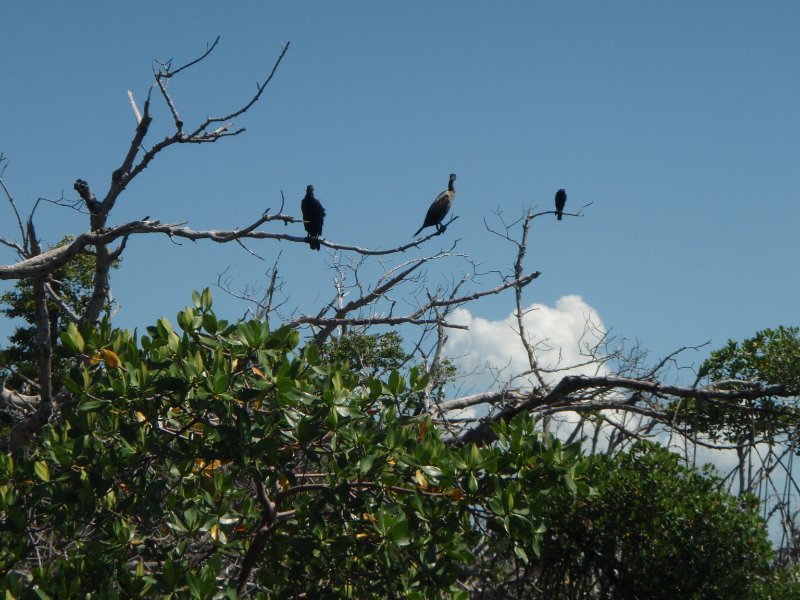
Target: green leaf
column 432, row 471
column 570, row 483
column 474, row 456
column 396, row 383
column 221, row 383
column 580, row 468
column 87, row 378
column 536, row 544
column 398, row 532
column 305, row 430
column 311, row 353
column 173, row 341
column 509, row 501
column 181, row 318
column 207, row 299
column 250, row 333
column 42, row 471
column 418, row 384
column 293, row 338
column 365, row 464
column 92, row 405
column 7, row 463
column 375, row 388
column 210, row 323
column 163, row 327
column 72, row 386
column 73, row 339
column 194, row 584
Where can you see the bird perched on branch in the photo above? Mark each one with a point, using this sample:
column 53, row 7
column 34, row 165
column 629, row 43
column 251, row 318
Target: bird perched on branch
column 561, row 200
column 440, row 207
column 313, row 216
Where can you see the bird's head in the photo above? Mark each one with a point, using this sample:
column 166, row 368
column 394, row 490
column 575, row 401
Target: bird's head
column 309, row 189
column 452, row 176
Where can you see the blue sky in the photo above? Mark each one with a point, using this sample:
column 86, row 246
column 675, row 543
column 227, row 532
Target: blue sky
column 678, row 121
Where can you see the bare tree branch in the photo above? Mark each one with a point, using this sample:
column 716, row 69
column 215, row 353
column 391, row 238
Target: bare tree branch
column 520, row 313
column 135, row 108
column 560, row 399
column 10, row 198
column 62, row 304
column 259, row 90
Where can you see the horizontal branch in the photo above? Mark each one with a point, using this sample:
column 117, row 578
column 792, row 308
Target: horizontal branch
column 491, row 398
column 56, row 257
column 354, row 321
column 621, row 404
column 581, row 382
column 560, row 399
column 515, row 283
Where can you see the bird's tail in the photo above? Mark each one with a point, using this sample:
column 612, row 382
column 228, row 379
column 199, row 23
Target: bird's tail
column 418, row 230
column 314, row 243
column 558, row 216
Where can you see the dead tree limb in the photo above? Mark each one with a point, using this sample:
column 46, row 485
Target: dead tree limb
column 562, row 398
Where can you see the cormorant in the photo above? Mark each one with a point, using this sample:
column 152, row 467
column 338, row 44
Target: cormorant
column 313, row 216
column 439, row 208
column 561, row 200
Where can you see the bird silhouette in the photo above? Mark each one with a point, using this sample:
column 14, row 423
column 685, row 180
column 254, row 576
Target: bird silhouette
column 313, row 216
column 561, row 200
column 440, row 207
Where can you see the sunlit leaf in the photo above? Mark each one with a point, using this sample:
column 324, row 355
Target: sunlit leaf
column 207, row 299
column 73, row 339
column 217, row 534
column 42, row 471
column 419, row 477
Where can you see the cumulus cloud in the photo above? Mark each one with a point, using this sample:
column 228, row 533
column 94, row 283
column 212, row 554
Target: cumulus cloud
column 492, row 352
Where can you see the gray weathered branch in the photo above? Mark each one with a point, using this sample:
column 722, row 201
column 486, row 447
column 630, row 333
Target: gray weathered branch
column 561, row 399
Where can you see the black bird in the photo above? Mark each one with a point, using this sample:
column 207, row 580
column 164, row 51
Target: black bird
column 561, row 200
column 313, row 216
column 440, row 207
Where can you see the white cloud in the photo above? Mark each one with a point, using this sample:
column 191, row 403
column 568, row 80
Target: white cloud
column 560, row 335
